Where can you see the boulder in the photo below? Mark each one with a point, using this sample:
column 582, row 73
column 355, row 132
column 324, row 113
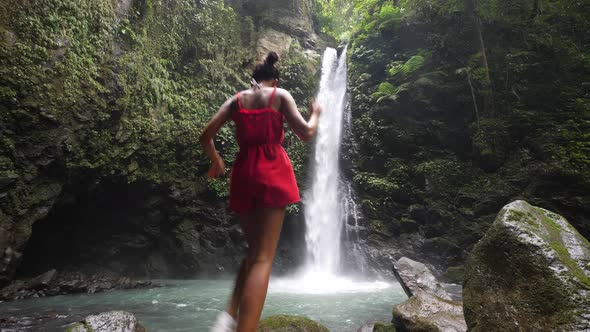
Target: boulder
column 530, row 272
column 425, row 312
column 377, row 327
column 113, row 321
column 429, row 307
column 285, row 323
column 415, row 277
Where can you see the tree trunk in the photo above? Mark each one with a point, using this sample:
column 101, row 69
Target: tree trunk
column 487, row 93
column 474, row 100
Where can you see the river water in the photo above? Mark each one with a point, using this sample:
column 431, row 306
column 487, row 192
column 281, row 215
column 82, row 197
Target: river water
column 191, row 305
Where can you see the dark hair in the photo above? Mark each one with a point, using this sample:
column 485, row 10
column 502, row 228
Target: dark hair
column 266, row 70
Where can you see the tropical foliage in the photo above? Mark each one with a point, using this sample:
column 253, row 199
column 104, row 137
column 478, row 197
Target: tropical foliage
column 465, row 104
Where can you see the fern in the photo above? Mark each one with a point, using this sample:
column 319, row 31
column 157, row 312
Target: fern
column 384, row 90
column 413, row 64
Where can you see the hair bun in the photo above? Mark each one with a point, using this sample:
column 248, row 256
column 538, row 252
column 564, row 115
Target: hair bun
column 271, row 58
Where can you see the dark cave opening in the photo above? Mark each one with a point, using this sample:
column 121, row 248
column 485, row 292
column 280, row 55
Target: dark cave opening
column 111, row 226
column 144, row 230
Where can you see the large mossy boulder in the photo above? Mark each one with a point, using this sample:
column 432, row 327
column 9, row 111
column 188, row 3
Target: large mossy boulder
column 285, row 323
column 530, row 272
column 113, row 321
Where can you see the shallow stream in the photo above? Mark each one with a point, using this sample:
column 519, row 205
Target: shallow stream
column 191, row 305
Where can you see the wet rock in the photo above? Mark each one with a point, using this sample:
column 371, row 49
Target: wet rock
column 415, row 277
column 285, row 323
column 27, row 288
column 430, row 307
column 428, row 312
column 113, row 321
column 59, row 283
column 366, row 328
column 530, row 272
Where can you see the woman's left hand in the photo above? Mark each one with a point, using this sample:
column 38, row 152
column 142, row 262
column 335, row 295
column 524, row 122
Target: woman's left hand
column 217, row 168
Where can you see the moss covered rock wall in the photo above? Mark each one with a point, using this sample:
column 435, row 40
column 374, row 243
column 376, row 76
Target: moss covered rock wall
column 104, row 99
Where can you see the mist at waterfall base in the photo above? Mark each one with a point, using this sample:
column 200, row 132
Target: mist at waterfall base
column 324, row 289
column 329, row 207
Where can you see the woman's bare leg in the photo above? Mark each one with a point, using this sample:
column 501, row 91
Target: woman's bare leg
column 247, row 221
column 266, row 229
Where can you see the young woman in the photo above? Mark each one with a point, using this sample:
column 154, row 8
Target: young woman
column 262, row 182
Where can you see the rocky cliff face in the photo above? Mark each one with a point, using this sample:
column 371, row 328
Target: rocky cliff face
column 293, row 16
column 102, row 103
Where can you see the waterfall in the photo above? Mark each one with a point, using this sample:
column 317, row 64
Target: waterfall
column 325, row 201
column 330, row 211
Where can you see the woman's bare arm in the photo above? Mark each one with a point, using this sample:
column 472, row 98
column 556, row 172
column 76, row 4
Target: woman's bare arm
column 217, row 121
column 305, row 130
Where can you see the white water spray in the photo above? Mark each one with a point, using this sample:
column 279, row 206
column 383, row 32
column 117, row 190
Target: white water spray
column 323, row 201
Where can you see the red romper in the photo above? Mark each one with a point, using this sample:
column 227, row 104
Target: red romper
column 262, row 175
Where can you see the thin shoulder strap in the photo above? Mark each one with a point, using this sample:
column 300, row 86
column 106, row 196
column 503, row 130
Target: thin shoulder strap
column 272, row 97
column 239, row 101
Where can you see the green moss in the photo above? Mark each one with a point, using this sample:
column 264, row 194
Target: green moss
column 287, row 323
column 565, row 257
column 384, row 327
column 124, row 89
column 554, row 238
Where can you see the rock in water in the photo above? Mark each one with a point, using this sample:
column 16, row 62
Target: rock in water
column 113, row 321
column 429, row 307
column 425, row 312
column 415, row 277
column 285, row 323
column 530, row 272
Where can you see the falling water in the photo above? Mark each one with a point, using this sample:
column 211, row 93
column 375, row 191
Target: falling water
column 330, row 208
column 324, row 215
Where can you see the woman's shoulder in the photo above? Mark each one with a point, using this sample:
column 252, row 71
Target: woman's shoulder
column 283, row 93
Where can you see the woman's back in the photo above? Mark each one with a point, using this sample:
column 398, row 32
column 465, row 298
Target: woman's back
column 262, row 175
column 258, row 120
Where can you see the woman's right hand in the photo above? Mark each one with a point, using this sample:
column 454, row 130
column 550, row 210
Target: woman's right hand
column 217, row 168
column 314, row 107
